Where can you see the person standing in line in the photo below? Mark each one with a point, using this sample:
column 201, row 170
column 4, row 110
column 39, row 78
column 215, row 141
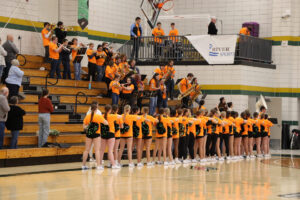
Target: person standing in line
column 92, row 66
column 12, row 52
column 4, row 109
column 14, row 79
column 45, row 109
column 77, row 65
column 170, row 83
column 54, row 55
column 212, row 29
column 100, row 60
column 14, row 121
column 3, row 53
column 65, row 59
column 158, row 33
column 154, row 89
column 46, row 35
column 136, row 32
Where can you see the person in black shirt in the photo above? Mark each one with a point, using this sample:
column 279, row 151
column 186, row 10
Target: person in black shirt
column 60, row 33
column 212, row 29
column 109, row 53
column 65, row 59
column 14, row 121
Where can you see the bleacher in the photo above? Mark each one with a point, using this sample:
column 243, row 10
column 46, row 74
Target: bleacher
column 67, row 117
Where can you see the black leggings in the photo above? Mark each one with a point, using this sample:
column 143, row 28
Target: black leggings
column 225, row 140
column 182, row 147
column 92, row 70
column 191, row 143
column 211, row 144
column 107, row 81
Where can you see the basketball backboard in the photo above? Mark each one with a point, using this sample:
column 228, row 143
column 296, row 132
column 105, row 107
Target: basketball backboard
column 151, row 11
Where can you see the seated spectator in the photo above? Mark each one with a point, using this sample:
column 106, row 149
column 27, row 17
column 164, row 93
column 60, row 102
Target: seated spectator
column 45, row 109
column 14, row 121
column 3, row 53
column 4, row 108
column 14, row 78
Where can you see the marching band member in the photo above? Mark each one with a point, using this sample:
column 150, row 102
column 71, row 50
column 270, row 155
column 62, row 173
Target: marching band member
column 170, row 74
column 115, row 88
column 154, row 88
column 161, row 70
column 60, row 32
column 92, row 66
column 184, row 85
column 65, row 59
column 54, row 55
column 100, row 61
column 127, row 90
column 109, row 75
column 162, row 100
column 77, row 65
column 133, row 67
column 46, row 35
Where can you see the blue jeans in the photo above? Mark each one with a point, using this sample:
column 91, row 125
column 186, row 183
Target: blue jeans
column 2, row 128
column 100, row 72
column 44, row 128
column 153, row 105
column 67, row 70
column 1, row 70
column 55, row 68
column 77, row 71
column 14, row 139
column 115, row 98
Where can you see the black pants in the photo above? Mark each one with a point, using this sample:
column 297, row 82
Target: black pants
column 13, row 90
column 182, row 147
column 5, row 71
column 185, row 102
column 157, row 50
column 107, row 81
column 92, row 70
column 127, row 99
column 135, row 48
column 211, row 144
column 170, row 88
column 191, row 145
column 225, row 141
column 47, row 59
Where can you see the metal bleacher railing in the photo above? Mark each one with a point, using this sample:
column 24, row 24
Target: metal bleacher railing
column 178, row 48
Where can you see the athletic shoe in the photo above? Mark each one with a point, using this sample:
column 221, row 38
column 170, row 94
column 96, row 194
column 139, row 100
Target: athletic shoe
column 100, row 167
column 131, row 165
column 247, row 157
column 252, row 156
column 259, row 156
column 228, row 158
column 159, row 162
column 194, row 161
column 172, row 162
column 115, row 167
column 92, row 160
column 186, row 162
column 198, row 159
column 177, row 161
column 149, row 164
column 85, row 168
column 109, row 165
column 153, row 163
column 166, row 163
column 140, row 165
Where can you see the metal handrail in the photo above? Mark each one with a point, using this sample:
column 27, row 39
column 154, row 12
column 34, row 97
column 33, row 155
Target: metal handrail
column 76, row 100
column 46, row 81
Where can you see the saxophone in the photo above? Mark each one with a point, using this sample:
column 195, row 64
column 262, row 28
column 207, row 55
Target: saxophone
column 187, row 92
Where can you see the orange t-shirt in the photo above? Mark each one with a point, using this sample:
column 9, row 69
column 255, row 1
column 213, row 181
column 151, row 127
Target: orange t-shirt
column 74, row 52
column 162, row 89
column 90, row 52
column 174, row 33
column 184, row 85
column 152, row 84
column 193, row 93
column 129, row 121
column 52, row 53
column 170, row 69
column 110, row 71
column 46, row 41
column 115, row 87
column 158, row 32
column 118, row 120
column 165, row 122
column 139, row 124
column 244, row 31
column 129, row 91
column 96, row 119
column 152, row 120
column 160, row 72
column 175, row 125
column 228, row 124
column 238, row 122
column 101, row 60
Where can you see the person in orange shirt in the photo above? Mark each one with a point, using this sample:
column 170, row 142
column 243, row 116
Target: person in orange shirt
column 161, row 70
column 158, row 32
column 183, row 136
column 92, row 119
column 91, row 54
column 115, row 87
column 46, row 35
column 169, row 136
column 147, row 133
column 176, row 118
column 127, row 90
column 137, row 135
column 162, row 100
column 54, row 55
column 170, row 74
column 77, row 65
column 153, row 88
column 100, row 61
column 238, row 129
column 184, row 85
column 173, row 33
column 109, row 75
column 118, row 125
column 245, row 31
column 266, row 133
column 257, row 133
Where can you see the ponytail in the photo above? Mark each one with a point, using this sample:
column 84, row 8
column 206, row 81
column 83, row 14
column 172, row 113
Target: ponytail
column 107, row 109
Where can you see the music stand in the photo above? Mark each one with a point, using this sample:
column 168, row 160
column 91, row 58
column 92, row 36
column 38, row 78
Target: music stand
column 81, row 51
column 143, row 76
column 78, row 59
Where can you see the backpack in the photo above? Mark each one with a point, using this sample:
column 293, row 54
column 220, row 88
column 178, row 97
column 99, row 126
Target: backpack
column 145, row 129
column 160, row 128
column 125, row 128
column 135, row 130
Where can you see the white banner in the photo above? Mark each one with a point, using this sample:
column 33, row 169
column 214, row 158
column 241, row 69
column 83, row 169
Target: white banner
column 215, row 49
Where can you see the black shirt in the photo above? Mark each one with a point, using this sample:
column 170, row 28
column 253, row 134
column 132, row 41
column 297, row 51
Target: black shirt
column 14, row 120
column 212, row 29
column 61, row 35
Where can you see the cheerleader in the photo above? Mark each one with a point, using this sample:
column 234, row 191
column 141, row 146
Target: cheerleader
column 147, row 126
column 191, row 137
column 161, row 136
column 127, row 134
column 199, row 133
column 108, row 137
column 91, row 124
column 250, row 134
column 244, row 132
column 238, row 121
column 118, row 124
column 137, row 135
column 229, row 128
column 224, row 134
column 213, row 142
column 218, row 132
column 169, row 136
column 266, row 125
column 175, row 131
column 257, row 134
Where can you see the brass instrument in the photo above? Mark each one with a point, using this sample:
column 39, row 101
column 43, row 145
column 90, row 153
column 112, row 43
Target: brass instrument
column 187, row 92
column 197, row 93
column 169, row 74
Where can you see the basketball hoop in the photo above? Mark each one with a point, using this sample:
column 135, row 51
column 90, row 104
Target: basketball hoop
column 166, row 5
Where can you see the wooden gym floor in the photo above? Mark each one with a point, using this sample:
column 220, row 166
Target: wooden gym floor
column 275, row 178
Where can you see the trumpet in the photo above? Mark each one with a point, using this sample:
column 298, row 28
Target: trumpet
column 68, row 28
column 187, row 92
column 64, row 47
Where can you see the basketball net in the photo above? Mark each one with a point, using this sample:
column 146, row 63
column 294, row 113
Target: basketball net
column 166, row 5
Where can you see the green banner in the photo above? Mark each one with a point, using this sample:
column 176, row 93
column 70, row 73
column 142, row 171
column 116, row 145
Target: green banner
column 83, row 13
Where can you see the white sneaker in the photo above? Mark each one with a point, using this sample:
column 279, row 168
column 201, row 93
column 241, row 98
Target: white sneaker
column 116, row 166
column 194, row 161
column 100, row 167
column 153, row 163
column 159, row 162
column 149, row 164
column 177, row 161
column 85, row 167
column 172, row 162
column 131, row 165
column 140, row 165
column 92, row 159
column 228, row 158
column 220, row 159
column 166, row 163
column 259, row 156
column 252, row 156
column 186, row 162
column 247, row 157
column 102, row 162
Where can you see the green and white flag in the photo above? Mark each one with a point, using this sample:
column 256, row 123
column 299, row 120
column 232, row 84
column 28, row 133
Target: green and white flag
column 83, row 13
